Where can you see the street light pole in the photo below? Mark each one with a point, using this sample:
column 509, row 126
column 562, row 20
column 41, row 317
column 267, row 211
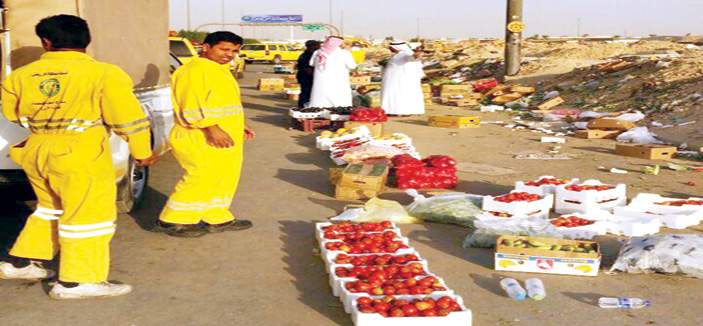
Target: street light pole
column 330, row 12
column 188, row 12
column 418, row 29
column 223, row 15
column 513, row 32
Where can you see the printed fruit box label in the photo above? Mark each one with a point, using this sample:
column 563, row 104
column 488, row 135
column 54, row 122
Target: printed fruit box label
column 548, row 265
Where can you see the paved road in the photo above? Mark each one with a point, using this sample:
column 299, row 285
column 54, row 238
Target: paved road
column 268, row 275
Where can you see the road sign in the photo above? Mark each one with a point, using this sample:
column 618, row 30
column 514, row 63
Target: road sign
column 312, row 28
column 272, row 19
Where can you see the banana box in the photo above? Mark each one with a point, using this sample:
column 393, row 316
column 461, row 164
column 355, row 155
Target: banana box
column 547, row 255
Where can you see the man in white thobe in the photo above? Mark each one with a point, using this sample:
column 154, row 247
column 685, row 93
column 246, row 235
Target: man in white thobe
column 401, row 91
column 331, row 86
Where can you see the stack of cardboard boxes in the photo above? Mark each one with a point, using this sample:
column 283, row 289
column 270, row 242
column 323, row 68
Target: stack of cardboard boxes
column 359, row 181
column 427, row 94
column 271, row 84
column 459, row 95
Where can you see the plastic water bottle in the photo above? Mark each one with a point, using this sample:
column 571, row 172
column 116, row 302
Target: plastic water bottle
column 513, row 288
column 535, row 288
column 633, row 303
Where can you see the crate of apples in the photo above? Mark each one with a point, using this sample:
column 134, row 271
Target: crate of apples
column 422, row 285
column 519, row 203
column 331, row 231
column 544, row 185
column 589, row 197
column 343, row 273
column 571, row 221
column 370, row 115
column 376, row 259
column 439, row 310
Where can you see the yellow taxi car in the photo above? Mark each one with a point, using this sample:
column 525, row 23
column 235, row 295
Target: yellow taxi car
column 182, row 48
column 271, row 52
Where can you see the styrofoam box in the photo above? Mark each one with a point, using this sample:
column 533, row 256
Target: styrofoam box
column 308, row 115
column 632, row 227
column 329, row 262
column 326, row 143
column 589, row 200
column 520, row 208
column 678, row 220
column 319, row 236
column 348, row 297
column 542, row 190
column 600, row 227
column 654, row 198
column 319, row 233
column 455, row 318
column 329, row 255
column 336, row 282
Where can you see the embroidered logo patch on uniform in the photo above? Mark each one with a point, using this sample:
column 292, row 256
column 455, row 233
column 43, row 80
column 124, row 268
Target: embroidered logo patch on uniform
column 50, row 87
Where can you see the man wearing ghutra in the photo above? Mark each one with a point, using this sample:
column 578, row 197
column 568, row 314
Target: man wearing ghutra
column 331, row 86
column 401, row 91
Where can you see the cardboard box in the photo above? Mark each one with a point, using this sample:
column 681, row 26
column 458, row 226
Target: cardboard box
column 271, row 88
column 271, row 81
column 353, row 193
column 505, row 98
column 462, row 102
column 293, row 97
column 289, row 79
column 292, row 85
column 360, row 80
column 335, row 174
column 376, row 128
column 610, row 124
column 522, row 89
column 550, row 103
column 497, row 91
column 454, row 121
column 364, row 176
column 597, row 134
column 456, row 89
column 533, row 260
column 646, row 151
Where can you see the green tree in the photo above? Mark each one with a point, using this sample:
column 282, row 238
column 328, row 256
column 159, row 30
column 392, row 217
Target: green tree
column 192, row 35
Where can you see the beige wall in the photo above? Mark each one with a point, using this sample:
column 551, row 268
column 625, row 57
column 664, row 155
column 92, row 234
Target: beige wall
column 132, row 34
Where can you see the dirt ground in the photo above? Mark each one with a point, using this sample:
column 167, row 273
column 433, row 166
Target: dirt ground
column 268, row 275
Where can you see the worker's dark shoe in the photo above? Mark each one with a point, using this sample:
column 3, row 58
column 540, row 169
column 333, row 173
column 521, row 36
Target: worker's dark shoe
column 180, row 230
column 235, row 225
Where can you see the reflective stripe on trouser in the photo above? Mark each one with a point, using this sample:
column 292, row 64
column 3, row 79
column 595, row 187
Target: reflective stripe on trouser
column 205, row 191
column 74, row 181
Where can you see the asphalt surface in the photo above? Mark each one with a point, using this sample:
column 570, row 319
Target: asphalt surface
column 269, row 275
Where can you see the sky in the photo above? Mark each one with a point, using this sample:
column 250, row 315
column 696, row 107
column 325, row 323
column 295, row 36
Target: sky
column 449, row 18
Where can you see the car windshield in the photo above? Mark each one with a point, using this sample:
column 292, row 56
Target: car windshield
column 180, row 49
column 253, row 47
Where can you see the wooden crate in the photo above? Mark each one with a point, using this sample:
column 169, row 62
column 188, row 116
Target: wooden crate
column 646, row 151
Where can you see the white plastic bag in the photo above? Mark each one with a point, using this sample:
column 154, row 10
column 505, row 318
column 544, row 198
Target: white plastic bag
column 459, row 209
column 378, row 210
column 632, row 117
column 667, row 253
column 488, row 230
column 639, row 135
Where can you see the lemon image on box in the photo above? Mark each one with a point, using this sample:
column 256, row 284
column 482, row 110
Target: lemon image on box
column 506, row 263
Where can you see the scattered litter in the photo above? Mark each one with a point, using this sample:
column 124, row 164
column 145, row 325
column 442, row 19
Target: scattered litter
column 686, row 123
column 492, row 108
column 657, row 124
column 639, row 135
column 553, row 140
column 652, row 170
column 614, row 170
column 543, row 156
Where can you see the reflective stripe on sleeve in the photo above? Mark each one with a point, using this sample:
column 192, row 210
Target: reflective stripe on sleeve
column 124, row 133
column 86, row 227
column 193, row 115
column 47, row 213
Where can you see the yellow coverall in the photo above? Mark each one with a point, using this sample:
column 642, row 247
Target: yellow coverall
column 66, row 100
column 204, row 94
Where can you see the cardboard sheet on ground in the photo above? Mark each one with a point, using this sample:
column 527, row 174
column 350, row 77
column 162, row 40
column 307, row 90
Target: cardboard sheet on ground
column 484, row 169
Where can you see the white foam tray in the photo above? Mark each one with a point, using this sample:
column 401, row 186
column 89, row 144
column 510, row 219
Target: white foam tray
column 301, row 115
column 336, row 282
column 319, row 233
column 328, row 255
column 678, row 220
column 520, row 208
column 632, row 227
column 542, row 190
column 455, row 318
column 329, row 262
column 326, row 143
column 348, row 297
column 645, row 198
column 589, row 200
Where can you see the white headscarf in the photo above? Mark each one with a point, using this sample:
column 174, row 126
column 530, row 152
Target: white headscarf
column 402, row 47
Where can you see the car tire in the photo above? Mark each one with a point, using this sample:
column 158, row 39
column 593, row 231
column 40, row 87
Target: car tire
column 131, row 189
column 276, row 60
column 249, row 61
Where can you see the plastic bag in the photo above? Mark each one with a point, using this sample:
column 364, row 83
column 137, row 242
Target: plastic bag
column 364, row 152
column 459, row 209
column 488, row 230
column 639, row 135
column 632, row 117
column 668, row 253
column 378, row 210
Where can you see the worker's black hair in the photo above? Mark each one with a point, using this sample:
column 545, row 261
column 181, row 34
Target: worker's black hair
column 215, row 38
column 64, row 31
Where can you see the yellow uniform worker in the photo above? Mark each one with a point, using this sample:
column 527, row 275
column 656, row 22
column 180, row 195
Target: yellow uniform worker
column 205, row 95
column 68, row 101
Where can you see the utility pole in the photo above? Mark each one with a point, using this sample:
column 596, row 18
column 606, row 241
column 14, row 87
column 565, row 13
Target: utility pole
column 223, row 15
column 418, row 29
column 513, row 33
column 342, row 22
column 188, row 12
column 330, row 12
column 578, row 27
